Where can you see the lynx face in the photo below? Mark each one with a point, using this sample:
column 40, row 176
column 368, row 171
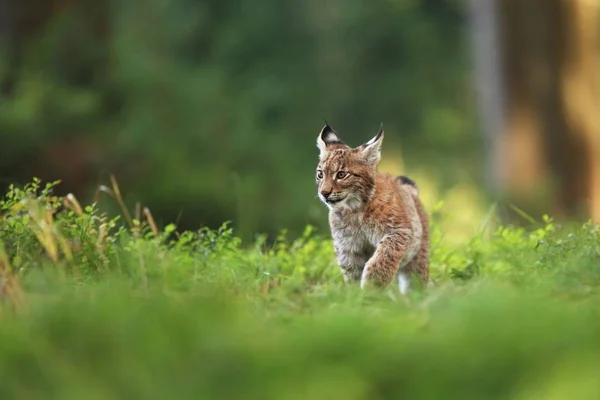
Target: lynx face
column 345, row 176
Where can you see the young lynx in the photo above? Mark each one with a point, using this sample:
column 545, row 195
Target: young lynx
column 379, row 227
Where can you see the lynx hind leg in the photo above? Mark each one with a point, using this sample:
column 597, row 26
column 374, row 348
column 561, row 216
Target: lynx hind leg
column 419, row 267
column 420, row 264
column 403, row 281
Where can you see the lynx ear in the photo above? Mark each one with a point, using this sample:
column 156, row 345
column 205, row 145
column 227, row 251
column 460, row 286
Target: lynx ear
column 371, row 150
column 327, row 137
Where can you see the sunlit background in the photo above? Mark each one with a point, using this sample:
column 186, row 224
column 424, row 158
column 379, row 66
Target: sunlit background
column 208, row 110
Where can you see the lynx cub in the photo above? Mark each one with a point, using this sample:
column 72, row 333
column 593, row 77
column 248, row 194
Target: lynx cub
column 379, row 227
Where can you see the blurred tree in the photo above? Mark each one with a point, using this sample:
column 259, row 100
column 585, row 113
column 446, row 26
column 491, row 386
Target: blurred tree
column 211, row 108
column 550, row 145
column 487, row 73
column 49, row 51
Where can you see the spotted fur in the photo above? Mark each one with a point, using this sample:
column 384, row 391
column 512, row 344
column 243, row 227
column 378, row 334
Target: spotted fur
column 379, row 227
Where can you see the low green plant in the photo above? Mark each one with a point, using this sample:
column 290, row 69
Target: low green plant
column 102, row 307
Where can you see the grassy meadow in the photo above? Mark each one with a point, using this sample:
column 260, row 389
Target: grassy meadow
column 101, row 308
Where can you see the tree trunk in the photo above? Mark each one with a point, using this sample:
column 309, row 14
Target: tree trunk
column 551, row 142
column 575, row 149
column 485, row 45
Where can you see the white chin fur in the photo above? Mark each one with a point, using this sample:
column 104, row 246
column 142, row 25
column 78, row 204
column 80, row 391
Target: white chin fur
column 332, row 206
column 349, row 203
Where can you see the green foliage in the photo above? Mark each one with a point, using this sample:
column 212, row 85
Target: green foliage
column 140, row 313
column 34, row 221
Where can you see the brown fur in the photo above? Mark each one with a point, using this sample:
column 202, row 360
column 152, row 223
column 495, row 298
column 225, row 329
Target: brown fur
column 379, row 227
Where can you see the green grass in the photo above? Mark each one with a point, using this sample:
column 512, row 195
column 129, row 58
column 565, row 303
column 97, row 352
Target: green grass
column 95, row 309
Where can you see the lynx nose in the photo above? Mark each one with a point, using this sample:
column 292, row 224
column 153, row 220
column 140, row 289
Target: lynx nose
column 325, row 193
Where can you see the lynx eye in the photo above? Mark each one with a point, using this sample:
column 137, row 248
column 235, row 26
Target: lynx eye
column 319, row 174
column 341, row 174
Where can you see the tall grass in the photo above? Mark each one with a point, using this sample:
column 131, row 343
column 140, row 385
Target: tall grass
column 93, row 307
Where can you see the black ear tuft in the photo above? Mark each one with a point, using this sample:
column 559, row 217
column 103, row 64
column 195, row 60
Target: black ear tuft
column 329, row 136
column 376, row 138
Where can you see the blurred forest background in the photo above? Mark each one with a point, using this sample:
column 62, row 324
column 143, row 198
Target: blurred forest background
column 208, row 110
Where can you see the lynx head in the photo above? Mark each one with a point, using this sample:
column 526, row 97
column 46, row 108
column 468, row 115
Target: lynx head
column 346, row 176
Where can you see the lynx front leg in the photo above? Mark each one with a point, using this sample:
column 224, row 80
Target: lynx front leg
column 351, row 275
column 383, row 267
column 352, row 265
